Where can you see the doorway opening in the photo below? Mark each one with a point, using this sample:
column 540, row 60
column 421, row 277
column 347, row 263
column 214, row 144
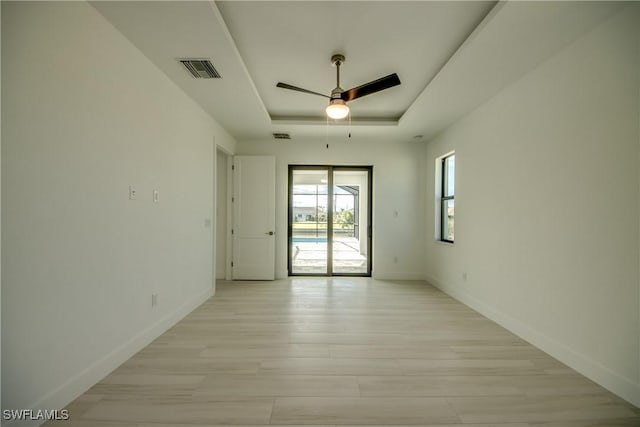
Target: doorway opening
column 223, row 217
column 330, row 221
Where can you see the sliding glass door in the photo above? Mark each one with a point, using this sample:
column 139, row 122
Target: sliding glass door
column 308, row 221
column 329, row 220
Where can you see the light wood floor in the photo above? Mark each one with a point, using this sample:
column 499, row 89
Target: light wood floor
column 332, row 352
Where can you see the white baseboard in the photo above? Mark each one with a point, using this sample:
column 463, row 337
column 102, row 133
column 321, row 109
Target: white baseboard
column 591, row 369
column 78, row 384
column 397, row 275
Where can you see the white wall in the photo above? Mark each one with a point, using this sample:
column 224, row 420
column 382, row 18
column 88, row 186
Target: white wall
column 86, row 115
column 398, row 180
column 547, row 206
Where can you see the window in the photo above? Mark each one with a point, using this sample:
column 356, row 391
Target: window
column 447, row 198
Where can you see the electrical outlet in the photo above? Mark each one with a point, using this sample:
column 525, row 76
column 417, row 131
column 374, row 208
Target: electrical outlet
column 132, row 192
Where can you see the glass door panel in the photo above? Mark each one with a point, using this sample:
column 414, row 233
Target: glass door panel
column 308, row 221
column 350, row 240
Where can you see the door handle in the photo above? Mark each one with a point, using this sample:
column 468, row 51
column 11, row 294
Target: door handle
column 270, row 233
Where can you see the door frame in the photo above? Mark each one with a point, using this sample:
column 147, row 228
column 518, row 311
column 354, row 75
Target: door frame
column 330, row 169
column 223, row 204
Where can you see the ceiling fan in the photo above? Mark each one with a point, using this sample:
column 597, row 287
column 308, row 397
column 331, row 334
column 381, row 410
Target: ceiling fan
column 338, row 108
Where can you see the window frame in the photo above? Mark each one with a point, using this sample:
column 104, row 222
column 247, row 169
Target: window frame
column 443, row 196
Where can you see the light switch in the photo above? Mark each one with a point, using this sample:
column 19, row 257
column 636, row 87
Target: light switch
column 156, row 196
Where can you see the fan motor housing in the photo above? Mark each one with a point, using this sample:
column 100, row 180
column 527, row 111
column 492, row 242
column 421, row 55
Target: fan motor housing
column 337, row 59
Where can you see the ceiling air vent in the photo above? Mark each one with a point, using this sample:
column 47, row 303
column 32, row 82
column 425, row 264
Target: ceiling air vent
column 201, row 68
column 281, row 135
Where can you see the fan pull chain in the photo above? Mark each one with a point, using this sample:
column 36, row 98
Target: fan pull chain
column 349, row 123
column 326, row 133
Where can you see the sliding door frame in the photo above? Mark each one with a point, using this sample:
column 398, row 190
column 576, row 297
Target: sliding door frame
column 330, row 169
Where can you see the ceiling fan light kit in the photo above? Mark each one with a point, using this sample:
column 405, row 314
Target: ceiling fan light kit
column 338, row 108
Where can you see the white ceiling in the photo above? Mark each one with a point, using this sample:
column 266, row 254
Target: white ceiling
column 293, row 42
column 450, row 57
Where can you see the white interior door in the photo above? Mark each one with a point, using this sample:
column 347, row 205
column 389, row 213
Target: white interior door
column 254, row 208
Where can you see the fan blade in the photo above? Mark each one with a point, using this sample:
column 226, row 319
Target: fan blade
column 372, row 87
column 299, row 89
